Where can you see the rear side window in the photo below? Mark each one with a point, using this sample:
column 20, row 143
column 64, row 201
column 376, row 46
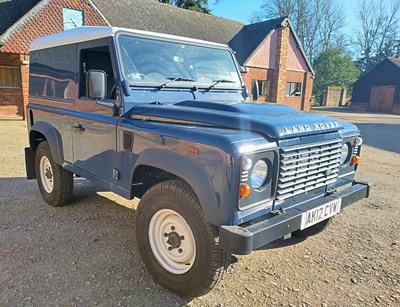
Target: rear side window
column 52, row 73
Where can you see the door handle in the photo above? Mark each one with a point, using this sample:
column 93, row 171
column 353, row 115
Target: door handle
column 78, row 128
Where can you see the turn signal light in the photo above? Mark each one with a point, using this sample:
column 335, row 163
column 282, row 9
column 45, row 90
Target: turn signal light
column 244, row 190
column 193, row 150
column 356, row 160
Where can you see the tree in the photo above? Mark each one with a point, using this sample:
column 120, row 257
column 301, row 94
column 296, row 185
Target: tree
column 317, row 22
column 376, row 35
column 333, row 68
column 193, row 5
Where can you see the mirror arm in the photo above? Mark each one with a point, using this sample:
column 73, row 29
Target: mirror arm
column 126, row 88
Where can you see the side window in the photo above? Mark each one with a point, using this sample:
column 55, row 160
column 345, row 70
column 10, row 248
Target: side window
column 52, row 73
column 263, row 87
column 9, row 77
column 293, row 89
column 99, row 59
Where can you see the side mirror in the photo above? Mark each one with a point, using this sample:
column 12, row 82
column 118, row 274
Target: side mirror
column 243, row 69
column 255, row 90
column 96, row 83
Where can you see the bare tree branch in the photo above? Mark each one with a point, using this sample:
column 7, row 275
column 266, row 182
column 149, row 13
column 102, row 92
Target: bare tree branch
column 376, row 36
column 316, row 22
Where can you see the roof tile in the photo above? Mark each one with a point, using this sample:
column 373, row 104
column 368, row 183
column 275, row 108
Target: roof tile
column 12, row 10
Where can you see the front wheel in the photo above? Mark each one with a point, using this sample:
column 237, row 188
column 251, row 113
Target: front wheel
column 55, row 183
column 177, row 245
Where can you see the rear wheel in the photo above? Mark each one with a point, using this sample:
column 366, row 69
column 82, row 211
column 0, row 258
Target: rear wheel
column 55, row 183
column 177, row 245
column 313, row 230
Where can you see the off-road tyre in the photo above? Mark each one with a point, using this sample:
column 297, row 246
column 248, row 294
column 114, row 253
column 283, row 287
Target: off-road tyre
column 312, row 230
column 170, row 205
column 55, row 183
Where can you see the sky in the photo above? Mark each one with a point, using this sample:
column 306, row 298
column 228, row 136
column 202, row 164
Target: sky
column 241, row 10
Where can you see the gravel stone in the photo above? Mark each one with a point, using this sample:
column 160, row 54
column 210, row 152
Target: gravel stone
column 85, row 254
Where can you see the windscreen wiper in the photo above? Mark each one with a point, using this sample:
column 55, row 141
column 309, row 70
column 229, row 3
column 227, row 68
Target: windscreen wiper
column 212, row 86
column 172, row 79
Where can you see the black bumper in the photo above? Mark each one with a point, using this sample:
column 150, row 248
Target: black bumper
column 242, row 239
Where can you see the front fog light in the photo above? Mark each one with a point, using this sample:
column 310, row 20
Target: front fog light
column 259, row 174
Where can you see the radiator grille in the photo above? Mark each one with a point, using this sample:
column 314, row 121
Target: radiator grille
column 308, row 167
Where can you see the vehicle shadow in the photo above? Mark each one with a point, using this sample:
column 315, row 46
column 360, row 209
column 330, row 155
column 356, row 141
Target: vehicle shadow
column 79, row 254
column 282, row 243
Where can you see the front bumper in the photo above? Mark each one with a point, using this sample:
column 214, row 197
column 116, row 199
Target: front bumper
column 243, row 239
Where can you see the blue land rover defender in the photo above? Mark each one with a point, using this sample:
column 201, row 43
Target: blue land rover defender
column 167, row 119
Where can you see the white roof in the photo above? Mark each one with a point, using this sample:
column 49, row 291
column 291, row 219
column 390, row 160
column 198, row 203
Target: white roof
column 88, row 33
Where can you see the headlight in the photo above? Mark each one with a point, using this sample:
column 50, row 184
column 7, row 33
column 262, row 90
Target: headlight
column 259, row 174
column 345, row 154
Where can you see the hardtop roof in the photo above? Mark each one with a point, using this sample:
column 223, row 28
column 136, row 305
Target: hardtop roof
column 88, row 33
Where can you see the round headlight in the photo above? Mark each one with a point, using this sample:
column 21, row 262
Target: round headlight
column 358, row 141
column 259, row 174
column 247, row 163
column 345, row 154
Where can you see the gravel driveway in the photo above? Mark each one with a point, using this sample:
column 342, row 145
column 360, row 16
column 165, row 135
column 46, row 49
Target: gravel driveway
column 85, row 254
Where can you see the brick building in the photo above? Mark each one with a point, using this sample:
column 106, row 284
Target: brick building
column 378, row 90
column 270, row 49
column 22, row 21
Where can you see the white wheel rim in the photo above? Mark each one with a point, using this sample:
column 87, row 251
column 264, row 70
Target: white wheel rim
column 172, row 241
column 46, row 174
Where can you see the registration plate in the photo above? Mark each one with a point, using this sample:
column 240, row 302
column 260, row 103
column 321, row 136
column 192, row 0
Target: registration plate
column 320, row 213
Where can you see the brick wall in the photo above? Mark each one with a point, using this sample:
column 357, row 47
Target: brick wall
column 307, row 91
column 299, row 102
column 396, row 109
column 258, row 74
column 278, row 88
column 11, row 98
column 359, row 106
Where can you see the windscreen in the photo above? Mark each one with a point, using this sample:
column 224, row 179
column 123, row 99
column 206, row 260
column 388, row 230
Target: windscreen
column 151, row 62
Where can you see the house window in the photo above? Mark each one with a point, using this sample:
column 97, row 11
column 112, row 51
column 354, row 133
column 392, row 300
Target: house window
column 9, row 77
column 293, row 89
column 72, row 19
column 263, row 87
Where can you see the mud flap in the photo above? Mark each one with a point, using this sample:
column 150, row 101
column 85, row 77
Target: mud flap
column 30, row 163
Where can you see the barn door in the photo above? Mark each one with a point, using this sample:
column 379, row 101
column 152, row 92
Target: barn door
column 381, row 98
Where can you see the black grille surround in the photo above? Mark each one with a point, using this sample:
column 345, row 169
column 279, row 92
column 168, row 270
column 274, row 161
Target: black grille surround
column 307, row 167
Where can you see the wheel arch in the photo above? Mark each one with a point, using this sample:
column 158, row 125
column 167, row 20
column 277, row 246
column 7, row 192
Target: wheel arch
column 188, row 170
column 42, row 131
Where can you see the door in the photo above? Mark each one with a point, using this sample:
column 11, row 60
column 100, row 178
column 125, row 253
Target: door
column 381, row 98
column 94, row 126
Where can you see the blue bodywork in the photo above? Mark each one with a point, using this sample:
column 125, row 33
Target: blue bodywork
column 149, row 134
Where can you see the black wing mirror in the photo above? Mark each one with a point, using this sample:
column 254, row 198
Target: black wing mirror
column 243, row 69
column 96, row 83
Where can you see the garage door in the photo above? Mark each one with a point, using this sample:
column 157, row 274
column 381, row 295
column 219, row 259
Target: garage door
column 381, row 98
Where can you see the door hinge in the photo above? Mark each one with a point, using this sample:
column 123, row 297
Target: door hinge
column 116, row 174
